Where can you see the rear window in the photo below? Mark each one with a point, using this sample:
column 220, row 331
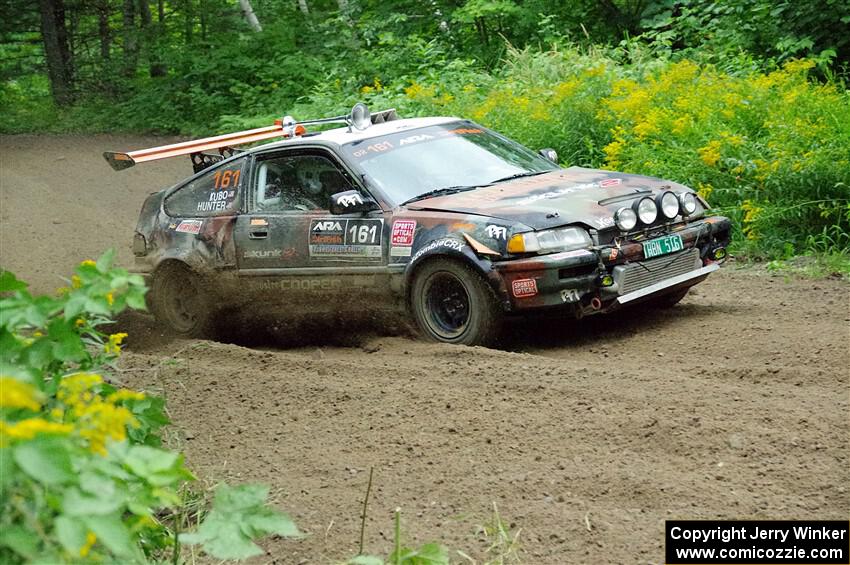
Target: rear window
column 215, row 193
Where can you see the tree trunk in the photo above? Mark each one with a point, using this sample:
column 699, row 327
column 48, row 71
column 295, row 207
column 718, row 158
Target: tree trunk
column 56, row 51
column 302, row 5
column 131, row 48
column 250, row 16
column 103, row 30
column 158, row 68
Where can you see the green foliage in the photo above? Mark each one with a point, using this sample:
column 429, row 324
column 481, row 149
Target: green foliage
column 239, row 514
column 82, row 476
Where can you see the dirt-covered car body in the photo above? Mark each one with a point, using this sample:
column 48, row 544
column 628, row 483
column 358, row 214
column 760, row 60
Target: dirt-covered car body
column 347, row 219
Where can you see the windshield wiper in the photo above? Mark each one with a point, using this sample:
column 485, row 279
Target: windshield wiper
column 440, row 192
column 519, row 176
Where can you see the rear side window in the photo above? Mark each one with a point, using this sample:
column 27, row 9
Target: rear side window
column 214, row 193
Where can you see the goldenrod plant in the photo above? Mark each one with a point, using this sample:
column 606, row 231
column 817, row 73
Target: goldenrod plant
column 83, row 477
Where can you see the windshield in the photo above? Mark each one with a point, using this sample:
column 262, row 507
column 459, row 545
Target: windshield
column 457, row 155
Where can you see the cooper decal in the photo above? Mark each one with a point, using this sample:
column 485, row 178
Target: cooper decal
column 402, row 232
column 523, row 288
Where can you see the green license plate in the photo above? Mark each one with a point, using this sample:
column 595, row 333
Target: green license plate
column 662, row 246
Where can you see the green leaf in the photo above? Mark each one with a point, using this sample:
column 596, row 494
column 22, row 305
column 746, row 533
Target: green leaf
column 67, row 345
column 71, row 534
column 10, row 283
column 104, row 263
column 45, row 459
column 157, row 466
column 20, row 540
column 77, row 503
column 238, row 515
column 7, row 467
column 112, row 532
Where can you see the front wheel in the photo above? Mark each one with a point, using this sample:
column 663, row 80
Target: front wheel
column 453, row 304
column 178, row 299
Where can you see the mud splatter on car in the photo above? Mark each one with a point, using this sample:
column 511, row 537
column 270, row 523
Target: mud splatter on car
column 453, row 222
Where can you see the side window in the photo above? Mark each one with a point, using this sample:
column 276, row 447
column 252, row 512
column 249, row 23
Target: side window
column 297, row 182
column 211, row 194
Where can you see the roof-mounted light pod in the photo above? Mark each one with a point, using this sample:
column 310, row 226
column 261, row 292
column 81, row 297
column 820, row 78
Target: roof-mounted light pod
column 360, row 117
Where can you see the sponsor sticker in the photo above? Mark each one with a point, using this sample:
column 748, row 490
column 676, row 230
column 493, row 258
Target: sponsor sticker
column 523, row 288
column 332, row 238
column 400, row 251
column 259, row 222
column 402, row 233
column 570, row 295
column 189, row 226
column 609, row 182
column 497, row 232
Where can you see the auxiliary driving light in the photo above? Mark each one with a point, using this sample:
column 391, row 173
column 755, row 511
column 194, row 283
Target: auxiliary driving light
column 646, row 210
column 625, row 219
column 606, row 280
column 719, row 254
column 669, row 204
column 688, row 202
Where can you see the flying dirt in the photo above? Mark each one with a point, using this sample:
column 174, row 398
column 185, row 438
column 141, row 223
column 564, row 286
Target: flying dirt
column 586, row 435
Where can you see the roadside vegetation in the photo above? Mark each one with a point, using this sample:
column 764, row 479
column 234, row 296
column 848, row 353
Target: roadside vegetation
column 744, row 101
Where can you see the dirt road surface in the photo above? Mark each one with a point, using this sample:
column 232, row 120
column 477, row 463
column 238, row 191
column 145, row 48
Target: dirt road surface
column 587, row 436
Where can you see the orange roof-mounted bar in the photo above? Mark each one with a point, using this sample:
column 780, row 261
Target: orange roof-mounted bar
column 120, row 161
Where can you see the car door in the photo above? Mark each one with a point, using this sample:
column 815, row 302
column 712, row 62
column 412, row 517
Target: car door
column 289, row 245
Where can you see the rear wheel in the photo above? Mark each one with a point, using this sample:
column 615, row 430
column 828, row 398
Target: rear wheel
column 178, row 299
column 452, row 303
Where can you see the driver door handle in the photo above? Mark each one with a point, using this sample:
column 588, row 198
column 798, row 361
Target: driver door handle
column 258, row 234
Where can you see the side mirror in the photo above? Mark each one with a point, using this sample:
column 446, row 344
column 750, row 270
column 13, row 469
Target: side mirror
column 350, row 202
column 550, row 154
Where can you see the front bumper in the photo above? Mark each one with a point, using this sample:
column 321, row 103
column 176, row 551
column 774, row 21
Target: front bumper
column 608, row 276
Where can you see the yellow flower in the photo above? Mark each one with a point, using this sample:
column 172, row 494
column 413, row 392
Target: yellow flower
column 366, row 89
column 114, row 343
column 88, row 263
column 29, row 428
column 710, row 154
column 37, row 333
column 110, row 298
column 96, row 419
column 90, row 541
column 80, row 322
column 751, row 214
column 704, row 190
column 76, row 282
column 124, row 394
column 17, row 394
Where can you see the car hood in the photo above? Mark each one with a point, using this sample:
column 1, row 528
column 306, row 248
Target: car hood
column 565, row 196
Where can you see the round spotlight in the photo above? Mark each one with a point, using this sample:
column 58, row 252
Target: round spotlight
column 360, row 116
column 625, row 219
column 647, row 211
column 688, row 202
column 668, row 203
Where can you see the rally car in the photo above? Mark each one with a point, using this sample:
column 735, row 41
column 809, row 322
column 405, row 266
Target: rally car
column 455, row 223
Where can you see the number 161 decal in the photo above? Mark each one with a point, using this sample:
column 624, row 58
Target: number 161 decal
column 341, row 239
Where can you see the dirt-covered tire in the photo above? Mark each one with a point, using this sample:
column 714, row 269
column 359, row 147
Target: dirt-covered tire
column 670, row 299
column 454, row 304
column 179, row 298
